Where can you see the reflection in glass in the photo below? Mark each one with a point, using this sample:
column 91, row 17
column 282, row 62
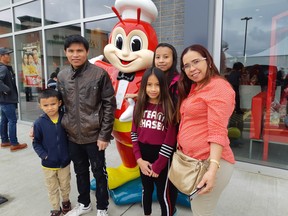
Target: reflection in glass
column 56, row 58
column 97, row 34
column 263, row 80
column 4, row 3
column 97, row 7
column 27, row 16
column 54, row 11
column 31, row 79
column 5, row 21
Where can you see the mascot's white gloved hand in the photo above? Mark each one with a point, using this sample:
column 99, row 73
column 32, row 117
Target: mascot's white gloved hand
column 97, row 58
column 127, row 115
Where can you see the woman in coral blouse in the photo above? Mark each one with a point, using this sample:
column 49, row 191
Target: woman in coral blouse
column 206, row 102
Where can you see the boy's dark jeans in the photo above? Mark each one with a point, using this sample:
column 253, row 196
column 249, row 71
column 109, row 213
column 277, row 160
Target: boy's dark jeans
column 82, row 156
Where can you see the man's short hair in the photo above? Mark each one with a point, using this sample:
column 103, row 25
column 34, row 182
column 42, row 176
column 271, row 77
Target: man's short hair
column 75, row 39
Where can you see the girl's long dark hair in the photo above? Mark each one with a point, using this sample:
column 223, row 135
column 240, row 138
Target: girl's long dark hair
column 184, row 83
column 164, row 97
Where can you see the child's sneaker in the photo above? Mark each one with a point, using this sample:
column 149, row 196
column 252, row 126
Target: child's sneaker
column 56, row 213
column 66, row 207
column 102, row 213
column 79, row 209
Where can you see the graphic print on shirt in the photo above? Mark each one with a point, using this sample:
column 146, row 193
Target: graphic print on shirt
column 153, row 119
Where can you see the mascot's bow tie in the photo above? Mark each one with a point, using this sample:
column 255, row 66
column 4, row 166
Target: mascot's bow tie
column 126, row 76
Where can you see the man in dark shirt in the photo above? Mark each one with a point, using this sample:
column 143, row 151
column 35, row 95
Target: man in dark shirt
column 8, row 102
column 234, row 80
column 52, row 82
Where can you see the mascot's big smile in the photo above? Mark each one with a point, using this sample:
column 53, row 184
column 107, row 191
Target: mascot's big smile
column 125, row 62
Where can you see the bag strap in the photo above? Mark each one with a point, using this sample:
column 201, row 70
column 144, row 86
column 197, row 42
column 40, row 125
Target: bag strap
column 178, row 148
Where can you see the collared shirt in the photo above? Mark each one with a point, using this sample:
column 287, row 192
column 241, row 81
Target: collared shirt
column 204, row 119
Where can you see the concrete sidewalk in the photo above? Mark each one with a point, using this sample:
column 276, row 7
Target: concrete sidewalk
column 253, row 190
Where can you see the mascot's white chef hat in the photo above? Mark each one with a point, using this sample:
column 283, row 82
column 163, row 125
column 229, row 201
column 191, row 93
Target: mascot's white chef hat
column 128, row 9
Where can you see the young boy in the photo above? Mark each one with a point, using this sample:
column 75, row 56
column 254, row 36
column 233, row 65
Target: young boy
column 51, row 144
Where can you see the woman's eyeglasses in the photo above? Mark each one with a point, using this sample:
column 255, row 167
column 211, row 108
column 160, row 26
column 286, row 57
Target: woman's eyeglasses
column 193, row 63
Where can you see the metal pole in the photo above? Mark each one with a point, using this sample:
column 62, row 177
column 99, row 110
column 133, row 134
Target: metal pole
column 246, row 24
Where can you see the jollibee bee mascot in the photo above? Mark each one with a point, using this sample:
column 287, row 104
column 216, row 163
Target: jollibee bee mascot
column 130, row 52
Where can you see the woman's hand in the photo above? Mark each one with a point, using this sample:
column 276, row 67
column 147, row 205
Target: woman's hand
column 208, row 179
column 210, row 176
column 145, row 167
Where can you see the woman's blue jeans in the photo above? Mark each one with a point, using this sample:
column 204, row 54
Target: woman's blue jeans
column 8, row 123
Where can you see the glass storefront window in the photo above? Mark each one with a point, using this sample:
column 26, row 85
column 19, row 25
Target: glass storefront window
column 54, row 11
column 98, row 7
column 97, row 34
column 4, row 3
column 56, row 58
column 27, row 16
column 5, row 21
column 256, row 35
column 31, row 79
column 6, row 42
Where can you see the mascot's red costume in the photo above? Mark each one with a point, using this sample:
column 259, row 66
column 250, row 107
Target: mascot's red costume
column 130, row 52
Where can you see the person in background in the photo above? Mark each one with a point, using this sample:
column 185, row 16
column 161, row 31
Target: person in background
column 26, row 71
column 89, row 100
column 234, row 79
column 52, row 82
column 263, row 78
column 51, row 145
column 8, row 102
column 154, row 137
column 206, row 102
column 253, row 75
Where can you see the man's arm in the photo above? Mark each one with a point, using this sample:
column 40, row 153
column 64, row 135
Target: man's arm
column 3, row 87
column 108, row 108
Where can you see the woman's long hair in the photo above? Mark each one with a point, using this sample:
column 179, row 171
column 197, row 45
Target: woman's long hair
column 164, row 98
column 184, row 83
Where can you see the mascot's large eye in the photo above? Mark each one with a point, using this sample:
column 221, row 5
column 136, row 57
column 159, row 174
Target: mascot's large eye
column 135, row 43
column 119, row 41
